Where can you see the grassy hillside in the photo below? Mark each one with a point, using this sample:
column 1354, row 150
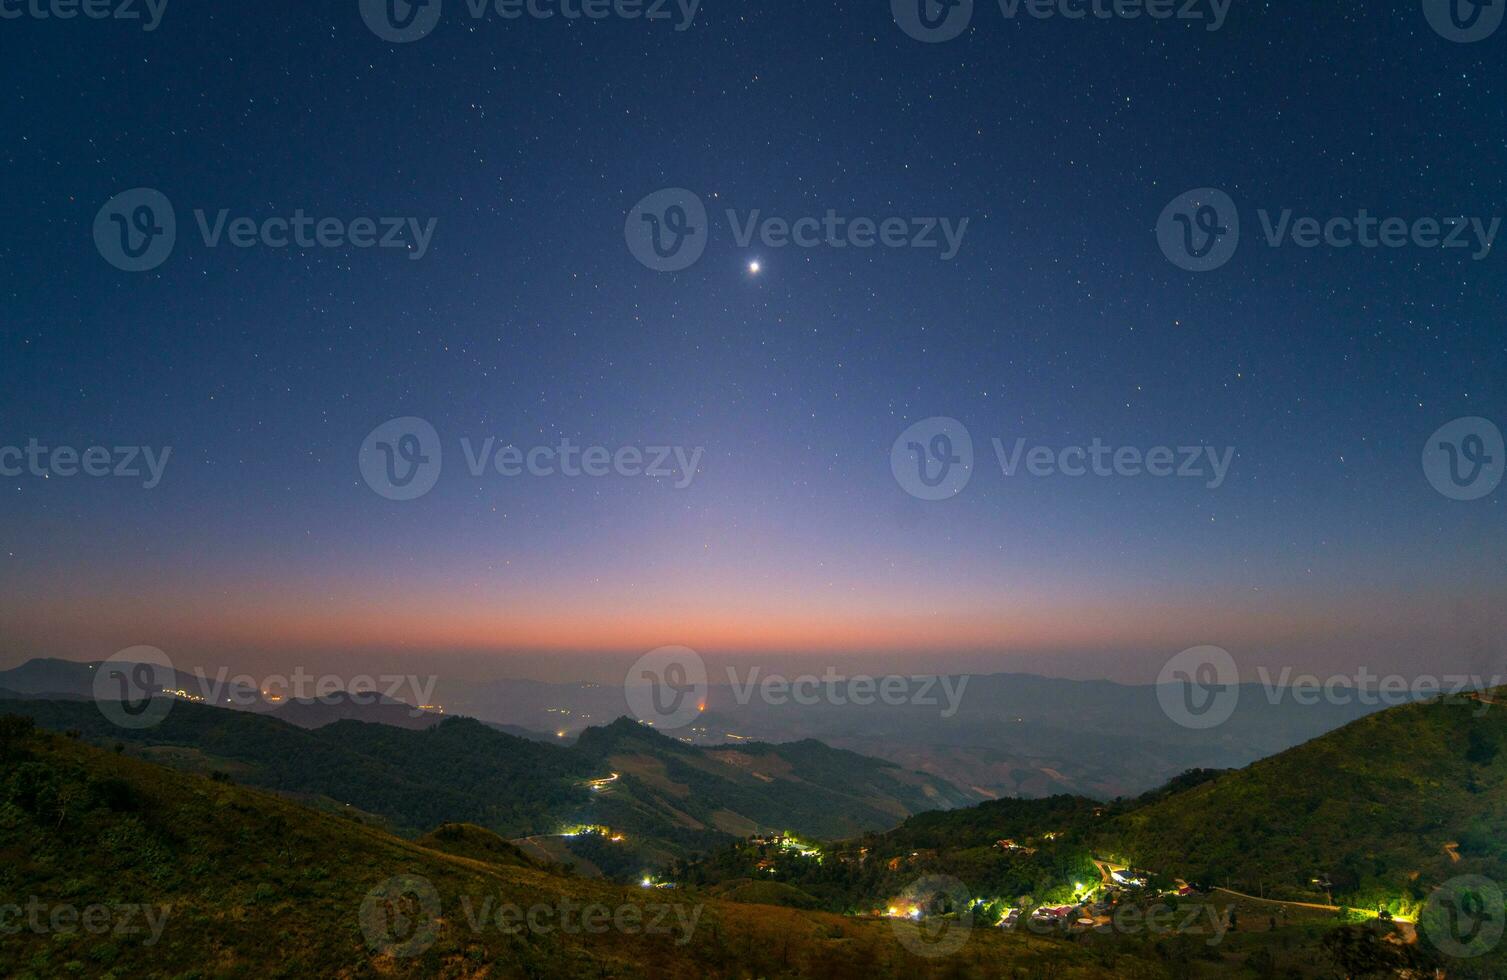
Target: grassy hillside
column 477, row 843
column 1370, row 807
column 1393, row 812
column 1380, row 812
column 244, row 884
column 669, row 798
column 459, row 771
column 709, row 793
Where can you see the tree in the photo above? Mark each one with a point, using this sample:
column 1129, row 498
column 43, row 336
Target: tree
column 1359, row 952
column 14, row 732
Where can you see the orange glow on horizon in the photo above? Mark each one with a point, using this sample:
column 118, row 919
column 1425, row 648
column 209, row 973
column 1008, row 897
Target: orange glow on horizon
column 416, row 621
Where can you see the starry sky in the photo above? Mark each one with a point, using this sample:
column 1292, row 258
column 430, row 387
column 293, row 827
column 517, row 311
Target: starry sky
column 529, row 320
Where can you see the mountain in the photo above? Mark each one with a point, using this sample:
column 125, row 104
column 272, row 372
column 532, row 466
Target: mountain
column 343, row 706
column 709, row 791
column 127, row 868
column 49, row 676
column 457, row 771
column 1383, row 809
column 1378, row 813
column 1384, row 815
column 994, row 734
column 668, row 798
column 68, row 680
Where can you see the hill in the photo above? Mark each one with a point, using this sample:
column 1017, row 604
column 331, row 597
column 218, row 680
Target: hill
column 997, row 735
column 132, row 869
column 371, row 708
column 457, row 771
column 1377, row 813
column 709, row 792
column 1372, row 808
column 477, row 843
column 1387, row 814
column 667, row 797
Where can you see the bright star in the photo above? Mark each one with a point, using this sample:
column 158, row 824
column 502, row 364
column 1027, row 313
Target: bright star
column 753, row 268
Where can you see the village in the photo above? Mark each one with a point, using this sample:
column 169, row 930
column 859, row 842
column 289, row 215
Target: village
column 1124, row 901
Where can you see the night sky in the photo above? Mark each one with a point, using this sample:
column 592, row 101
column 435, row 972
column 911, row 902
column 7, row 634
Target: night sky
column 528, row 320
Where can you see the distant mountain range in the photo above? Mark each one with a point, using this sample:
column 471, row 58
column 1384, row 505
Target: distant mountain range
column 1377, row 815
column 1010, row 735
column 69, row 680
column 1381, row 809
column 179, row 875
column 665, row 796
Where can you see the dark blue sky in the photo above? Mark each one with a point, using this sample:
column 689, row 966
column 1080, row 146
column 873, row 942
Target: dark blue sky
column 1059, row 321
